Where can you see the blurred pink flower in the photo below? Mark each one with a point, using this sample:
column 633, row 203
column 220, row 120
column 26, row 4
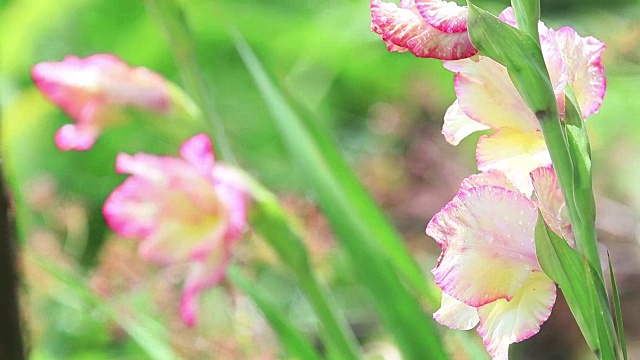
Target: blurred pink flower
column 427, row 28
column 185, row 209
column 487, row 99
column 91, row 90
column 488, row 270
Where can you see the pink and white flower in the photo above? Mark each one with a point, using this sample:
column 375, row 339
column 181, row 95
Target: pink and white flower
column 91, row 90
column 427, row 28
column 186, row 209
column 488, row 269
column 487, row 99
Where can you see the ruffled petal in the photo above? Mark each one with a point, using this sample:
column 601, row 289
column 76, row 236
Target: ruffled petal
column 487, row 95
column 514, row 153
column 404, row 29
column 443, row 15
column 198, row 152
column 172, row 225
column 505, row 322
column 487, row 178
column 126, row 212
column 455, row 314
column 582, row 57
column 457, row 125
column 73, row 81
column 551, row 202
column 487, row 238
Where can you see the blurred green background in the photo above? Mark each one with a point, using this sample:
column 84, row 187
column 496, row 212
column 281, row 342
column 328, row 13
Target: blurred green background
column 82, row 285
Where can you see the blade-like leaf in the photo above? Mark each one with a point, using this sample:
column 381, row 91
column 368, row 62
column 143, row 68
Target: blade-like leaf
column 171, row 20
column 580, row 151
column 270, row 220
column 622, row 340
column 378, row 255
column 527, row 14
column 296, row 346
column 587, row 303
column 145, row 331
column 602, row 313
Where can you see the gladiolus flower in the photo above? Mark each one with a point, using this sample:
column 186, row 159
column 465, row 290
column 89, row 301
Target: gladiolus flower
column 91, row 90
column 427, row 28
column 487, row 99
column 488, row 270
column 185, row 209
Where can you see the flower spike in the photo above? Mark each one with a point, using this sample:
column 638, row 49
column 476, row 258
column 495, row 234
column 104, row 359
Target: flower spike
column 487, row 99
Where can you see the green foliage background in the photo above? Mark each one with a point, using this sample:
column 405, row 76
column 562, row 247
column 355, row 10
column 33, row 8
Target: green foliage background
column 324, row 57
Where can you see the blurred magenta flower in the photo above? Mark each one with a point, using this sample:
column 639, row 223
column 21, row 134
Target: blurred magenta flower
column 487, row 99
column 186, row 209
column 91, row 90
column 488, row 270
column 427, row 28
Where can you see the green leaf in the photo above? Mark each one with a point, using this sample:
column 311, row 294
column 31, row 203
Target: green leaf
column 270, row 220
column 294, row 343
column 578, row 141
column 171, row 20
column 376, row 251
column 602, row 314
column 145, row 331
column 571, row 272
column 622, row 340
column 527, row 14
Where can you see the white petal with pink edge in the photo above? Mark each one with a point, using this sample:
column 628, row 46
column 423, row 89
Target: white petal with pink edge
column 445, row 16
column 457, row 125
column 487, row 238
column 404, row 29
column 515, row 153
column 490, row 178
column 487, row 95
column 551, row 202
column 456, row 314
column 505, row 322
column 582, row 57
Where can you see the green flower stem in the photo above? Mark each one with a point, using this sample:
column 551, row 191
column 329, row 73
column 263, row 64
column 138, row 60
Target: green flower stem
column 270, row 220
column 520, row 53
column 575, row 180
column 584, row 228
column 171, row 20
column 528, row 14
